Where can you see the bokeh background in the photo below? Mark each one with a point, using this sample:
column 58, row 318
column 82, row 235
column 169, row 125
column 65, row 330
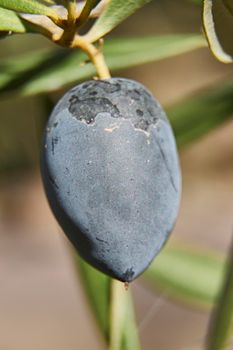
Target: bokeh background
column 42, row 304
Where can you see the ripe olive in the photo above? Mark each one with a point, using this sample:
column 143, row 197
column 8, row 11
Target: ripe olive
column 111, row 173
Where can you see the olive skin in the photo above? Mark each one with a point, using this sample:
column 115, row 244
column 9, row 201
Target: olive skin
column 111, row 174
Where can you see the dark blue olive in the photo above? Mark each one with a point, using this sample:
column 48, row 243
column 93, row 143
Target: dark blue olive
column 111, row 173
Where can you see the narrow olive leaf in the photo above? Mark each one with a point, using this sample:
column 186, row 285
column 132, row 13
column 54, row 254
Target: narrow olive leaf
column 28, row 6
column 118, row 305
column 130, row 337
column 201, row 112
column 115, row 12
column 218, row 26
column 50, row 2
column 188, row 275
column 123, row 333
column 130, row 52
column 10, row 21
column 97, row 288
column 14, row 72
column 220, row 330
column 100, row 291
column 119, row 53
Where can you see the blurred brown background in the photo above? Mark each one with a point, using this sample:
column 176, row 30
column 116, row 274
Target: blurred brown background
column 42, row 305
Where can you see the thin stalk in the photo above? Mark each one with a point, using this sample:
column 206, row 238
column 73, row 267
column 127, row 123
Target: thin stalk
column 84, row 15
column 95, row 55
column 221, row 324
column 71, row 8
column 70, row 28
column 57, row 20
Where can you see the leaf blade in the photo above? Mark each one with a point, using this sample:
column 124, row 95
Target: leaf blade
column 102, row 304
column 10, row 21
column 218, row 27
column 28, row 6
column 115, row 12
column 201, row 112
column 220, row 329
column 120, row 54
column 93, row 280
column 126, row 56
column 130, row 337
column 170, row 272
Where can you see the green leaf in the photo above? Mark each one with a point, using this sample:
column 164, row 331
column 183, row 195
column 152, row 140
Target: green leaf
column 202, row 112
column 10, row 21
column 14, row 72
column 189, row 275
column 28, row 6
column 66, row 69
column 93, row 281
column 49, row 2
column 112, row 306
column 130, row 337
column 117, row 314
column 221, row 323
column 115, row 12
column 120, row 54
column 123, row 331
column 218, row 26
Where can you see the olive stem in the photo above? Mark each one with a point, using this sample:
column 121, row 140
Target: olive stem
column 70, row 28
column 68, row 37
column 95, row 55
column 84, row 15
column 71, row 8
column 56, row 19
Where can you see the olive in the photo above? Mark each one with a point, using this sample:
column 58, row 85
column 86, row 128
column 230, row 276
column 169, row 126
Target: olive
column 111, row 174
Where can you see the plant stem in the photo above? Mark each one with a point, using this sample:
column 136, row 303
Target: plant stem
column 57, row 20
column 68, row 38
column 221, row 323
column 84, row 15
column 118, row 300
column 95, row 55
column 71, row 8
column 70, row 28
